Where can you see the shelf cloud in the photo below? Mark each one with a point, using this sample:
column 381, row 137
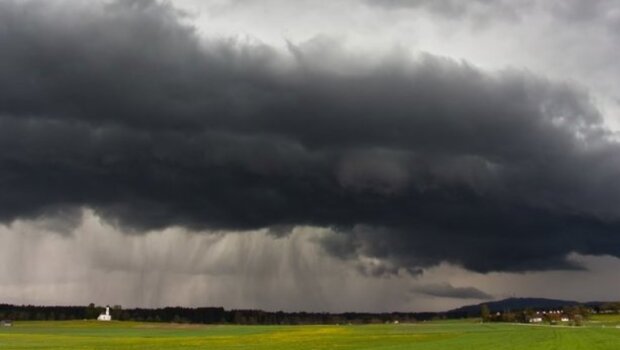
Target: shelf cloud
column 413, row 159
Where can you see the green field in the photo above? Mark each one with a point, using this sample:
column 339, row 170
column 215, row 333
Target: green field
column 601, row 332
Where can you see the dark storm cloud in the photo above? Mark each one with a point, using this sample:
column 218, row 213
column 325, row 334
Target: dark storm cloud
column 124, row 109
column 446, row 290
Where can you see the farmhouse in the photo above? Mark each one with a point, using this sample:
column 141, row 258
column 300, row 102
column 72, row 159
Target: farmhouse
column 106, row 316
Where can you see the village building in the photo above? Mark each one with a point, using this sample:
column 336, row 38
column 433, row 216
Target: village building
column 551, row 316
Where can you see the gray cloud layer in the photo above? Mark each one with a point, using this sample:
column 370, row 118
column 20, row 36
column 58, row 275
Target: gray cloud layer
column 573, row 10
column 454, row 8
column 124, row 109
column 446, row 290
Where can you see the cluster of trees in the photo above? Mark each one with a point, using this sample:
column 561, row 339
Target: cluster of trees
column 206, row 315
column 609, row 308
column 40, row 313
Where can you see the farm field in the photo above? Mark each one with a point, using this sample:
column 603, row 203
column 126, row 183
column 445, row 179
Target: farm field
column 600, row 333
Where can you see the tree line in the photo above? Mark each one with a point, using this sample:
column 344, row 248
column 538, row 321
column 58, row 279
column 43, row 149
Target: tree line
column 219, row 315
column 204, row 315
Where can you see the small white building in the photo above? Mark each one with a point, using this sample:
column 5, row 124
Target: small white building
column 535, row 319
column 106, row 316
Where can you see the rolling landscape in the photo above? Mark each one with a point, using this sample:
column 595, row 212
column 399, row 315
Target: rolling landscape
column 600, row 329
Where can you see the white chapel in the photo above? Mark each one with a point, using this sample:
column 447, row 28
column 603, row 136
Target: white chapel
column 106, row 316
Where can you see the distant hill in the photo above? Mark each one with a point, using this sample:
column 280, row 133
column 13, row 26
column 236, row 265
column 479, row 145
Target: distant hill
column 517, row 304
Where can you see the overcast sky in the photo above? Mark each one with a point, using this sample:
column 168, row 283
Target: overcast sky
column 351, row 155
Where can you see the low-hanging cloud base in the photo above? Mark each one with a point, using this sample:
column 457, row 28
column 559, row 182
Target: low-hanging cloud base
column 91, row 261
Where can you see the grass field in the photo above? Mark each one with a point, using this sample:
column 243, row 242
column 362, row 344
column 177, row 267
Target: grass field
column 600, row 333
